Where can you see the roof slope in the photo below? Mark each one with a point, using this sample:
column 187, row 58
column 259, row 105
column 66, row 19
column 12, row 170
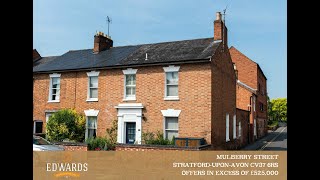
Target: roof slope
column 232, row 47
column 43, row 60
column 176, row 51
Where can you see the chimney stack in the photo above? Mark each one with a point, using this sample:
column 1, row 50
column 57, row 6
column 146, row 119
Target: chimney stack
column 220, row 30
column 102, row 42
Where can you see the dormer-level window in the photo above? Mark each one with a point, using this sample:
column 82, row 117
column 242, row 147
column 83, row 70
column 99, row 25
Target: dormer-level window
column 54, row 89
column 92, row 86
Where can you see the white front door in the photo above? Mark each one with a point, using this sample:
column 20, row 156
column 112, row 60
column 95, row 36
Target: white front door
column 129, row 123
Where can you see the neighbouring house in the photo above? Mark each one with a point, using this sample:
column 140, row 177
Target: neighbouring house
column 251, row 93
column 182, row 88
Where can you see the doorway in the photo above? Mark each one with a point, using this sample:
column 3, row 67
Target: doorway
column 130, row 132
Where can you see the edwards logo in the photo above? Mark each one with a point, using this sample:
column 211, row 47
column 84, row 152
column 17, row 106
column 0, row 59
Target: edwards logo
column 67, row 168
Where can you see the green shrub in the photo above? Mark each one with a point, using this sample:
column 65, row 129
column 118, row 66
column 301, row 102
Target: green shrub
column 272, row 124
column 104, row 143
column 66, row 124
column 111, row 133
column 98, row 143
column 149, row 138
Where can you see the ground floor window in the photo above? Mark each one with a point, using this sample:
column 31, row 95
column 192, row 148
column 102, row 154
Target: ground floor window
column 37, row 126
column 91, row 127
column 227, row 128
column 171, row 127
column 48, row 114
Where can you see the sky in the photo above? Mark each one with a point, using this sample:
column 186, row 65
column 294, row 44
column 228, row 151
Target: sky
column 258, row 28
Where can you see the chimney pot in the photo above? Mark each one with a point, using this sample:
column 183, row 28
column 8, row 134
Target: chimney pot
column 218, row 16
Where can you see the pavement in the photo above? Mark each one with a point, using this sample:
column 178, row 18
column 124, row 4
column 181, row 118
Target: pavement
column 275, row 140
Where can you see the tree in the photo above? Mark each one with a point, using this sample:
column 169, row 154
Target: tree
column 66, row 124
column 270, row 112
column 278, row 109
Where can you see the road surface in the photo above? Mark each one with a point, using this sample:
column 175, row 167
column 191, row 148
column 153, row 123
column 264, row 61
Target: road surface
column 274, row 141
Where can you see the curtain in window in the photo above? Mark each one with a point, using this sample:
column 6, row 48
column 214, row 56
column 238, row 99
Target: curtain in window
column 92, row 126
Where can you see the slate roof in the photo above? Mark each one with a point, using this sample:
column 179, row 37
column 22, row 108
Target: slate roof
column 124, row 56
column 44, row 60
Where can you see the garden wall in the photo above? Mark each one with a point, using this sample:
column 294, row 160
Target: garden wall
column 145, row 147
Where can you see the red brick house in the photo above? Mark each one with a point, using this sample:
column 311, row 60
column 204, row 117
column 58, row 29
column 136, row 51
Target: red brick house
column 251, row 92
column 183, row 88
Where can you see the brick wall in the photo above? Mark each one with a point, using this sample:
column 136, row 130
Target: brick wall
column 194, row 94
column 73, row 146
column 223, row 97
column 251, row 74
column 262, row 116
column 243, row 116
column 243, row 98
column 126, row 147
column 247, row 69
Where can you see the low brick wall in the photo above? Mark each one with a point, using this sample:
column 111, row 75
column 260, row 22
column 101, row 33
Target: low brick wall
column 147, row 147
column 73, row 146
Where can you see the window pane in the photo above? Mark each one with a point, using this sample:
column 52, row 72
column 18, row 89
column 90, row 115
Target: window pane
column 171, row 123
column 172, row 90
column 170, row 134
column 53, row 97
column 131, row 79
column 93, row 93
column 92, row 122
column 55, row 81
column 94, row 81
column 58, row 95
column 91, row 133
column 172, row 77
column 130, row 91
column 38, row 127
column 55, row 91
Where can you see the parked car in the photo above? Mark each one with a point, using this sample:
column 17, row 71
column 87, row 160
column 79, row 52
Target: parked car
column 41, row 144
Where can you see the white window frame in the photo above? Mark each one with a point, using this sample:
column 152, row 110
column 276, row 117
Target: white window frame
column 169, row 113
column 126, row 72
column 227, row 128
column 54, row 75
column 164, row 128
column 92, row 74
column 48, row 114
column 34, row 126
column 234, row 127
column 168, row 69
column 91, row 113
column 239, row 133
column 255, row 127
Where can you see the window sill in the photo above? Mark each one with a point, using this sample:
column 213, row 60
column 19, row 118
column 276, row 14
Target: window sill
column 54, row 101
column 92, row 100
column 171, row 98
column 129, row 99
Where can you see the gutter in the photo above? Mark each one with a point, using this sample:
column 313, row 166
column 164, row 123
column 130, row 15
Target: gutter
column 130, row 66
column 246, row 86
